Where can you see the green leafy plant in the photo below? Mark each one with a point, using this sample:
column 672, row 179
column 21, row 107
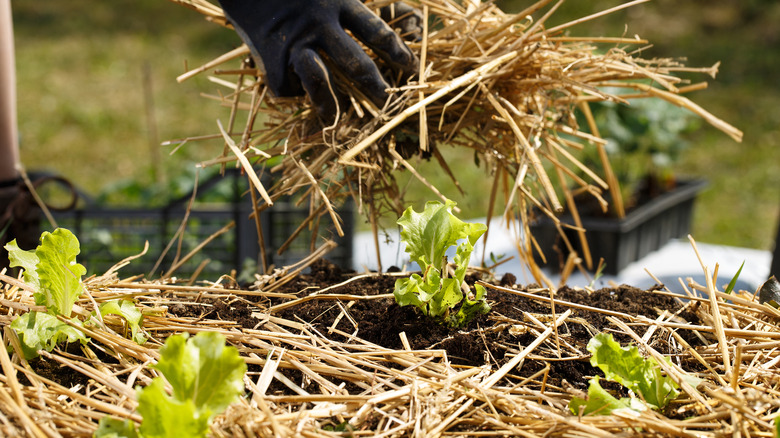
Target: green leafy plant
column 626, row 366
column 601, row 402
column 428, row 236
column 644, row 140
column 651, row 128
column 52, row 271
column 127, row 310
column 205, row 376
column 44, row 331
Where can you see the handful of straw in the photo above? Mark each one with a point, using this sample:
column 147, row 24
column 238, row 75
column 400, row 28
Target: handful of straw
column 505, row 85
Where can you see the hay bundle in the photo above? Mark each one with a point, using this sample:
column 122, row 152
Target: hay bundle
column 505, row 85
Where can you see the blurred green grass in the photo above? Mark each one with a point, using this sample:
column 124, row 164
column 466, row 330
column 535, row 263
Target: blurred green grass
column 82, row 71
column 82, row 110
column 742, row 204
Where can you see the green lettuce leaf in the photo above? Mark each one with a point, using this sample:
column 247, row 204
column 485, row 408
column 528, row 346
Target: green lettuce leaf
column 601, row 402
column 626, row 366
column 58, row 272
column 206, row 376
column 27, row 260
column 447, row 296
column 202, row 370
column 471, row 308
column 168, row 417
column 43, row 331
column 127, row 310
column 428, row 236
column 429, row 288
column 114, row 428
column 408, row 290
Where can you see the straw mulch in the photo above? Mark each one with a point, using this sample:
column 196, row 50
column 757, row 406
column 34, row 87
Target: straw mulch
column 303, row 383
column 506, row 86
column 503, row 85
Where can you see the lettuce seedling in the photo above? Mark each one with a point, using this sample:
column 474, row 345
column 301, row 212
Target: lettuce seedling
column 127, row 310
column 51, row 269
column 55, row 276
column 626, row 366
column 43, row 331
column 205, row 376
column 428, row 236
column 601, row 402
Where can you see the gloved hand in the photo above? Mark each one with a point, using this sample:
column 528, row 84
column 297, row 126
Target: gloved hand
column 404, row 18
column 294, row 37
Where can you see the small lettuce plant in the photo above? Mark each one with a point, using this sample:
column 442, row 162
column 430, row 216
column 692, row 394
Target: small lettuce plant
column 627, row 367
column 52, row 272
column 428, row 235
column 205, row 376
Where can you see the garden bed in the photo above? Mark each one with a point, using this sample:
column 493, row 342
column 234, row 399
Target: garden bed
column 344, row 356
column 331, row 354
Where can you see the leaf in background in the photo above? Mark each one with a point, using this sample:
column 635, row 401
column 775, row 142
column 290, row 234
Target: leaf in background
column 59, row 274
column 127, row 310
column 627, row 367
column 167, row 417
column 27, row 260
column 43, row 331
column 202, row 370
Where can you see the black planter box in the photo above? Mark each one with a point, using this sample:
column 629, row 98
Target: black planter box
column 109, row 234
column 622, row 241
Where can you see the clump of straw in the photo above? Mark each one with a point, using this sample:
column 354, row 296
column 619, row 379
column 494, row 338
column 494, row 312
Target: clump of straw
column 507, row 86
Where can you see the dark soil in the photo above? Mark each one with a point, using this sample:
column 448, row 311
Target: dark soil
column 489, row 339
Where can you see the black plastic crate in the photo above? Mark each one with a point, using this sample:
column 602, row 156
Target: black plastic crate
column 108, row 235
column 622, row 241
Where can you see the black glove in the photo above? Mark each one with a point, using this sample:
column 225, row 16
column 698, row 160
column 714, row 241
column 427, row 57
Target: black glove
column 404, row 18
column 292, row 37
